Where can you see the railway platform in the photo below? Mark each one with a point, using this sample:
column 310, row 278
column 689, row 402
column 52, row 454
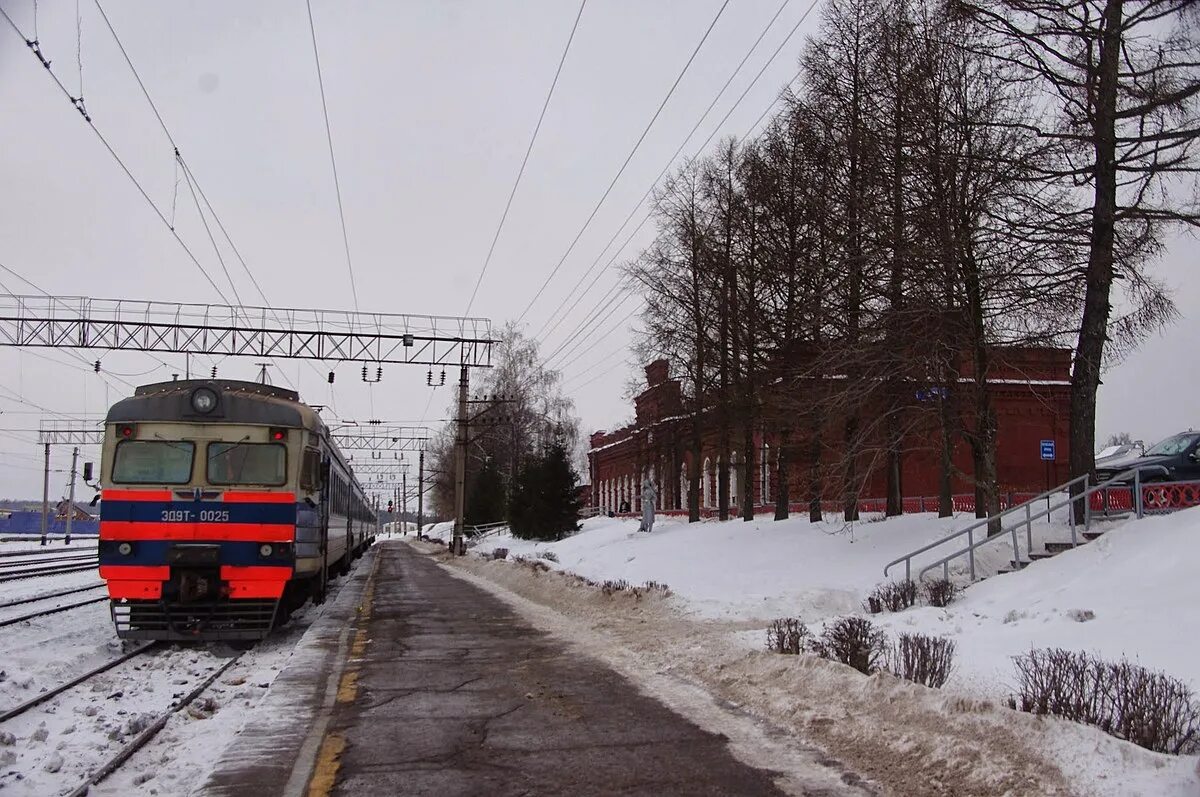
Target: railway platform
column 442, row 689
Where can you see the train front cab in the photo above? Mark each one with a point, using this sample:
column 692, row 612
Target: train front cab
column 207, row 530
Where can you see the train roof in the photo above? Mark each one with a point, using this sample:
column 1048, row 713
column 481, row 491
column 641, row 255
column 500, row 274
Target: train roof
column 238, row 402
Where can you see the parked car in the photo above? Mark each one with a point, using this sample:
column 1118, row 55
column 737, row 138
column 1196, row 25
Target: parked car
column 1174, row 459
column 1113, row 458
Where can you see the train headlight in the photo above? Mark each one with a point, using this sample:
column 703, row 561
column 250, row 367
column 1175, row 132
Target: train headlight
column 265, row 550
column 124, row 549
column 204, row 400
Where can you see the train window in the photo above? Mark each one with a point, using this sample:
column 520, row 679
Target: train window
column 153, row 462
column 310, row 470
column 247, row 463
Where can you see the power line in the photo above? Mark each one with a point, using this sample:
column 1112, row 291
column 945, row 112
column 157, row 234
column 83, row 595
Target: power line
column 525, row 160
column 736, row 71
column 78, row 104
column 332, row 160
column 628, row 158
column 699, row 150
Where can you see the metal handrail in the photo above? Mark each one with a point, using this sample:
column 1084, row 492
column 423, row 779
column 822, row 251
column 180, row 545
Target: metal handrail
column 969, row 530
column 1030, row 516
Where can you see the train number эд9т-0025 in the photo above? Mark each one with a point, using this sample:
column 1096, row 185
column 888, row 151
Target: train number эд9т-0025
column 187, row 516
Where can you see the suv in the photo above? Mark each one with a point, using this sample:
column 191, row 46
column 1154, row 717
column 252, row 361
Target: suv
column 1176, row 459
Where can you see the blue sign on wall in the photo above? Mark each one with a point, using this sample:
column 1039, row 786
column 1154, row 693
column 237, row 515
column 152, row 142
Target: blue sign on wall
column 1048, row 450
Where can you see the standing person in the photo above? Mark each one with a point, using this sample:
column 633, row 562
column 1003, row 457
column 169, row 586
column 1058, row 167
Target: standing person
column 649, row 498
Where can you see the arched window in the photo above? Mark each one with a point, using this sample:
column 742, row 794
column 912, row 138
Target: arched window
column 706, row 484
column 683, row 486
column 733, row 479
column 766, row 473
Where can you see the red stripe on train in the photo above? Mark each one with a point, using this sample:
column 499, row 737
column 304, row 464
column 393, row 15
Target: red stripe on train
column 135, row 590
column 136, row 572
column 236, row 532
column 233, row 497
column 256, row 572
column 259, row 498
column 138, row 495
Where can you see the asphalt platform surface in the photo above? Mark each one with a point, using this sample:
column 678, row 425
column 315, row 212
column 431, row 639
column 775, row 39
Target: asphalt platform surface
column 457, row 695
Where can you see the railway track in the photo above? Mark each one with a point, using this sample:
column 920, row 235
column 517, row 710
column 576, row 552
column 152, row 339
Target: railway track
column 96, row 771
column 46, row 552
column 53, row 610
column 48, row 595
column 47, row 561
column 39, row 571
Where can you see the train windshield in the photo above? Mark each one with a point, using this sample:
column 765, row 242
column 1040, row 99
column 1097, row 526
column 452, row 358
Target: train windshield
column 153, row 462
column 247, row 463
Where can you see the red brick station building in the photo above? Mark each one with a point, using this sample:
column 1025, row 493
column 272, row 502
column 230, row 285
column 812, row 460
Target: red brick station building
column 1030, row 395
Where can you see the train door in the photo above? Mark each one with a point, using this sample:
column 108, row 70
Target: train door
column 326, row 498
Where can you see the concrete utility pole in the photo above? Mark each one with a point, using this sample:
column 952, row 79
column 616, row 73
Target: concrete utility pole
column 420, row 490
column 46, row 496
column 460, row 463
column 71, row 493
column 404, row 494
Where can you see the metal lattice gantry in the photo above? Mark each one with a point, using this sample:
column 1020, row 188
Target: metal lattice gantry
column 381, row 438
column 223, row 330
column 70, row 433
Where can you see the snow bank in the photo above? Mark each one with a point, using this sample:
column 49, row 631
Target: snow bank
column 1138, row 580
column 746, row 571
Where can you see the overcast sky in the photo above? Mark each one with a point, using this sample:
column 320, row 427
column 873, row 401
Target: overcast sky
column 432, row 105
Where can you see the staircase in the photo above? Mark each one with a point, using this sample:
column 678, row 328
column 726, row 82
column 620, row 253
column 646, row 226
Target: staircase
column 1119, row 498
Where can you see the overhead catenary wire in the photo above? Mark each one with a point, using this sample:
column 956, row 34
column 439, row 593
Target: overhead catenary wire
column 549, row 327
column 194, row 185
column 591, row 319
column 332, row 158
column 112, row 152
column 699, row 150
column 524, row 161
column 625, row 164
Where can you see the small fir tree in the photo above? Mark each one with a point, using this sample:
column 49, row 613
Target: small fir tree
column 545, row 500
column 485, row 502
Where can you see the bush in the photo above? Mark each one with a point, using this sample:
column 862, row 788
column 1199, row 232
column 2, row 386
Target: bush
column 854, row 641
column 656, row 586
column 787, row 635
column 549, row 556
column 923, row 659
column 1150, row 709
column 500, row 553
column 940, row 592
column 610, row 586
column 893, row 596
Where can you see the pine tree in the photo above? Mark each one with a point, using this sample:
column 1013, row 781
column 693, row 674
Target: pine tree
column 545, row 499
column 485, row 501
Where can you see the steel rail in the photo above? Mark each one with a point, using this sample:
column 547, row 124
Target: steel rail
column 150, row 732
column 48, row 595
column 46, row 571
column 18, row 710
column 48, row 560
column 55, row 610
column 43, row 552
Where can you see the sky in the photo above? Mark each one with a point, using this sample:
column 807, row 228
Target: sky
column 431, row 107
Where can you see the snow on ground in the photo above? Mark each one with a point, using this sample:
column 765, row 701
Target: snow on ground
column 52, row 748
column 757, row 570
column 1131, row 593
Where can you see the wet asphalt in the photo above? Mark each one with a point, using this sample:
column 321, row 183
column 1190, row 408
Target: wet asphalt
column 457, row 695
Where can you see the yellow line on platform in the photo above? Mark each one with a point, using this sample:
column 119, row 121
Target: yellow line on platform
column 328, row 762
column 329, row 758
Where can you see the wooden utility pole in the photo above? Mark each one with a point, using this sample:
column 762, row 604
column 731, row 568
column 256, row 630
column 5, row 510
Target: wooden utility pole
column 46, row 495
column 460, row 463
column 420, row 490
column 71, row 493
